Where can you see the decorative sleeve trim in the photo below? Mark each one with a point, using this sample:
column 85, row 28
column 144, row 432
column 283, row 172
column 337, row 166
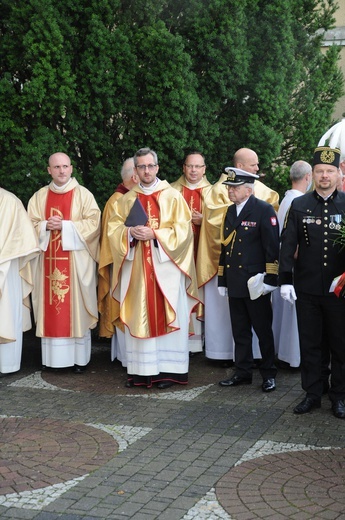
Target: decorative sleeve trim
column 272, row 268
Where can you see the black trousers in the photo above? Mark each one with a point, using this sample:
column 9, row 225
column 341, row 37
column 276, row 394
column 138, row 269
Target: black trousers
column 320, row 318
column 245, row 314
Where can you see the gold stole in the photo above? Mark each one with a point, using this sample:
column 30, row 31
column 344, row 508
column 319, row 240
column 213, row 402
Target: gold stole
column 154, row 295
column 57, row 272
column 193, row 199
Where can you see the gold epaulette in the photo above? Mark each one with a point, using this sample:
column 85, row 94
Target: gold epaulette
column 272, row 268
column 220, row 270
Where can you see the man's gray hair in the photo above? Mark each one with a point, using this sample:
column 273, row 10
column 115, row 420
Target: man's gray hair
column 145, row 151
column 299, row 170
column 127, row 169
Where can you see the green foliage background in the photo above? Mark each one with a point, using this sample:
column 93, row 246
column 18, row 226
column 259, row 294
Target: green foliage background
column 99, row 79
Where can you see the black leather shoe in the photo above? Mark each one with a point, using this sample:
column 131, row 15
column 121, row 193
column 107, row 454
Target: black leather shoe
column 165, row 384
column 268, row 385
column 236, row 380
column 338, row 409
column 307, row 405
column 129, row 384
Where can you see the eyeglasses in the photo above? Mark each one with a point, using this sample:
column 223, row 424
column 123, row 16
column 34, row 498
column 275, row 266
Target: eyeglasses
column 150, row 167
column 196, row 166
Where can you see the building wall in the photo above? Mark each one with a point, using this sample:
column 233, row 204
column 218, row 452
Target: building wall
column 336, row 36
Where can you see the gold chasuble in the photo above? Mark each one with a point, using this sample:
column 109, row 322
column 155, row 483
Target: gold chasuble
column 105, row 301
column 195, row 200
column 57, row 280
column 145, row 283
column 263, row 192
column 18, row 255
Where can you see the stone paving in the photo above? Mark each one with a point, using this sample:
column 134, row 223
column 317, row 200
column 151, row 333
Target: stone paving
column 84, row 447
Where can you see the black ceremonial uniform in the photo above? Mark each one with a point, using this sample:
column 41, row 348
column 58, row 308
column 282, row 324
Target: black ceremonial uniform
column 250, row 245
column 312, row 226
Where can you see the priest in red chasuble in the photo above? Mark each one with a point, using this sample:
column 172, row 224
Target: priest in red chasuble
column 194, row 185
column 154, row 280
column 67, row 221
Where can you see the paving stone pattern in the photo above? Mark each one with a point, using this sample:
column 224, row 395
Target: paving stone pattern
column 84, row 447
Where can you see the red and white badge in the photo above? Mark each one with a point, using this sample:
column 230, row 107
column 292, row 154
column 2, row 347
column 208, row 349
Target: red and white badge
column 274, row 221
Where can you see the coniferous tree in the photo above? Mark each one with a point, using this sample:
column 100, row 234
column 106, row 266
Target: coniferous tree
column 98, row 80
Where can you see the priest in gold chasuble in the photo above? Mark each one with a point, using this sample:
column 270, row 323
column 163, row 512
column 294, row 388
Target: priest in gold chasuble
column 193, row 185
column 67, row 221
column 154, row 280
column 107, row 327
column 18, row 253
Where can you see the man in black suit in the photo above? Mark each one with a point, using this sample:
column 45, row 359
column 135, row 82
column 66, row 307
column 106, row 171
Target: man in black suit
column 312, row 229
column 250, row 250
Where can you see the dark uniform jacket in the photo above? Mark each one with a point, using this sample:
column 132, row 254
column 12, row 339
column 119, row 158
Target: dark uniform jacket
column 250, row 245
column 312, row 224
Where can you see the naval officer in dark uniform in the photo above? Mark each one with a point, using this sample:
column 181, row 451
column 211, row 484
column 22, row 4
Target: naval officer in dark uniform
column 309, row 261
column 250, row 248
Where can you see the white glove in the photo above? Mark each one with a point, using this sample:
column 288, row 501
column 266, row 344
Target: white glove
column 256, row 286
column 287, row 292
column 223, row 291
column 268, row 288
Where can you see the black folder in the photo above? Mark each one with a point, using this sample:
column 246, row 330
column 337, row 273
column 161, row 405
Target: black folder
column 137, row 216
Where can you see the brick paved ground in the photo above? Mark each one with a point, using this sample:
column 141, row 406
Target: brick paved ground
column 83, row 447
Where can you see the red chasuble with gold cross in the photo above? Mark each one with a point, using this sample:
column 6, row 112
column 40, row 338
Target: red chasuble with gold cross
column 154, row 295
column 57, row 272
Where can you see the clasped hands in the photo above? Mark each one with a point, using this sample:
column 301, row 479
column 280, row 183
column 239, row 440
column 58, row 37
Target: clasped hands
column 142, row 233
column 54, row 223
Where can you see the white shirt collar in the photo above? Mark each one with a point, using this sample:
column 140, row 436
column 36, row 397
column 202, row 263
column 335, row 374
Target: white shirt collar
column 239, row 207
column 192, row 186
column 149, row 189
column 62, row 187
